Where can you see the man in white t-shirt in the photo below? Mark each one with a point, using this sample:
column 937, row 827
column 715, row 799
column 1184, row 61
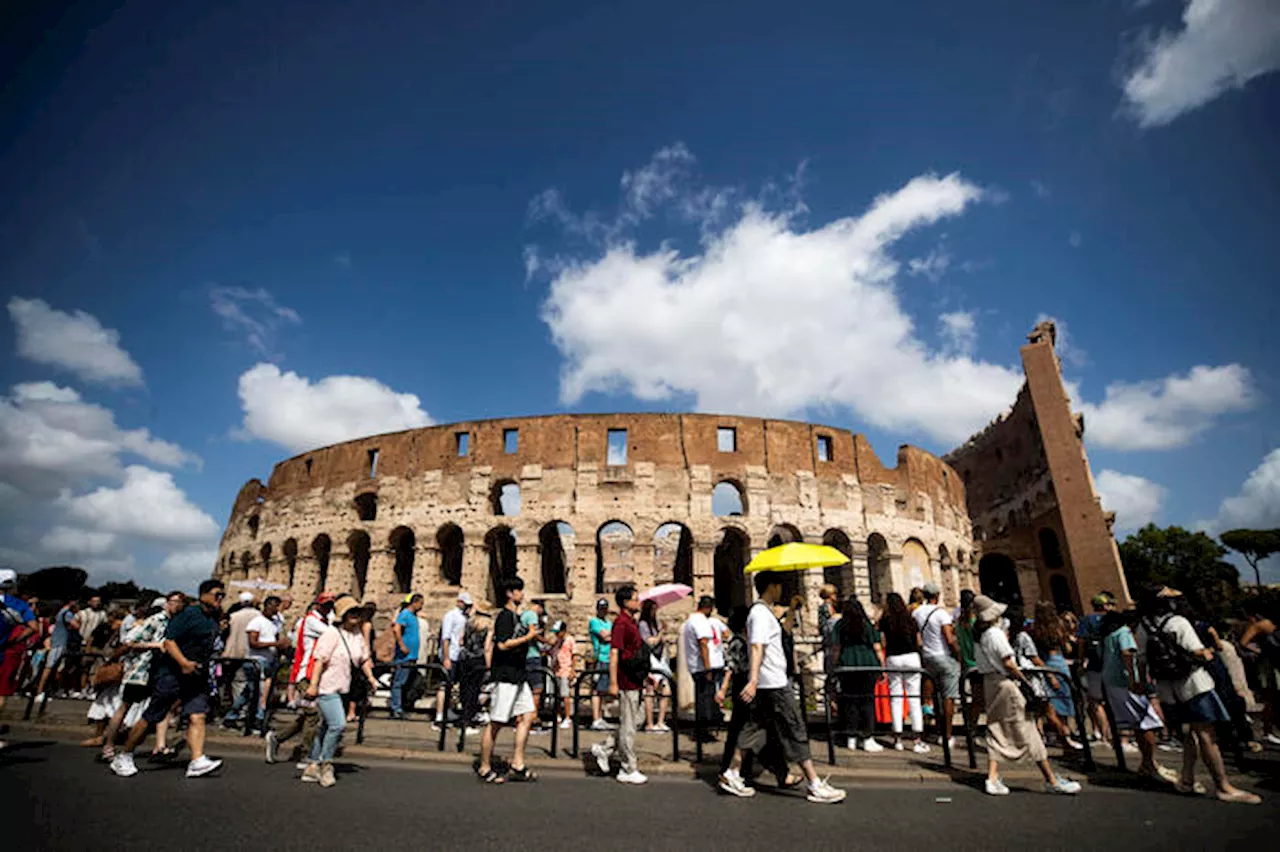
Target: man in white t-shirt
column 264, row 643
column 701, row 645
column 452, row 628
column 940, row 652
column 776, row 718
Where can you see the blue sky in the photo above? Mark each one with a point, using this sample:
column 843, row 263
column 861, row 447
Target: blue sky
column 846, row 212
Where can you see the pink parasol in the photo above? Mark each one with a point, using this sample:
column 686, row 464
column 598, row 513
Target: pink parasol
column 667, row 593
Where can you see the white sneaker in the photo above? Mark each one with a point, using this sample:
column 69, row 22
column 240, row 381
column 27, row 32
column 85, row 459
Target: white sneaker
column 996, row 787
column 1272, row 738
column 1073, row 743
column 599, row 725
column 920, row 747
column 898, row 746
column 636, row 777
column 1064, row 786
column 311, row 773
column 1130, row 748
column 40, row 698
column 734, row 786
column 852, row 743
column 302, row 764
column 602, row 757
column 825, row 794
column 273, row 746
column 566, row 724
column 202, row 765
column 871, row 745
column 663, row 729
column 122, row 765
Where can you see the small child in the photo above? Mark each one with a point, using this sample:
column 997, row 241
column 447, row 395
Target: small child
column 561, row 654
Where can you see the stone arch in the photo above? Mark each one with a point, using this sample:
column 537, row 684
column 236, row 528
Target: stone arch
column 449, row 540
column 321, row 547
column 264, row 554
column 791, row 580
column 879, row 570
column 553, row 556
column 732, row 555
column 840, row 576
column 500, row 544
column 504, row 498
column 673, row 554
column 290, row 551
column 1050, row 548
column 367, row 506
column 1060, row 590
column 998, row 577
column 615, row 557
column 916, row 570
column 360, row 548
column 728, row 499
column 252, row 523
column 246, row 559
column 403, row 544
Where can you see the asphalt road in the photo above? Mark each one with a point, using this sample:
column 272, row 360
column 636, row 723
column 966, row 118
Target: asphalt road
column 56, row 797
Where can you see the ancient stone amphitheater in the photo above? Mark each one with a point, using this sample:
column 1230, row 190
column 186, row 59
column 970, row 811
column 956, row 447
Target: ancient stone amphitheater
column 578, row 504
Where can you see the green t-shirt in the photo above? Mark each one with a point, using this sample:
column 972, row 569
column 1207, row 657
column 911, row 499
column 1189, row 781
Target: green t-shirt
column 1113, row 647
column 600, row 647
column 964, row 638
column 863, row 653
column 528, row 621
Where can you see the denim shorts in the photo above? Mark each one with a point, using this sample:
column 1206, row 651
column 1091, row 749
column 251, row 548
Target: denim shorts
column 945, row 672
column 191, row 691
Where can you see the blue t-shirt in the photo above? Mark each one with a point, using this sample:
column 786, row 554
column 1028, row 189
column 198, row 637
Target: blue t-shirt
column 600, row 646
column 528, row 621
column 1090, row 632
column 408, row 621
column 1114, row 671
column 61, row 635
column 23, row 614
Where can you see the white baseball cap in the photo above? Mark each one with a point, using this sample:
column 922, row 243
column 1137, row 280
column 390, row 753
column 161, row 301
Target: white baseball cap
column 246, row 597
column 464, row 598
column 8, row 577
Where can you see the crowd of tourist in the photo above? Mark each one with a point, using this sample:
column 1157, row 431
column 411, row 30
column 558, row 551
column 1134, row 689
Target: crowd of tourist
column 1155, row 678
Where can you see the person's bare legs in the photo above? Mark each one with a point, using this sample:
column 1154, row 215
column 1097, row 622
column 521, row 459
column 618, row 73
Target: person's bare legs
column 1147, row 745
column 137, row 734
column 595, row 708
column 948, row 714
column 993, row 771
column 1099, row 720
column 195, row 735
column 1190, row 752
column 523, row 725
column 664, row 704
column 1203, row 731
column 648, row 708
column 162, row 732
column 113, row 727
column 487, row 739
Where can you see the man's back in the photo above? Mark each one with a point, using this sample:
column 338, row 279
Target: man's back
column 931, row 618
column 237, row 634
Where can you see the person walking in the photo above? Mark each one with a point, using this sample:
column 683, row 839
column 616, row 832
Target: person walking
column 239, row 615
column 1011, row 736
column 407, row 634
column 264, row 644
column 18, row 631
column 512, row 700
column 1176, row 661
column 902, row 659
column 141, row 643
column 1045, row 687
column 860, row 647
column 939, row 653
column 628, row 668
column 561, row 656
column 656, row 688
column 1051, row 638
column 472, row 663
column 704, row 658
column 775, row 715
column 534, row 617
column 1125, row 691
column 339, row 652
column 453, row 628
column 1089, row 651
column 1261, row 642
column 599, row 628
column 64, row 638
column 181, row 675
column 306, row 720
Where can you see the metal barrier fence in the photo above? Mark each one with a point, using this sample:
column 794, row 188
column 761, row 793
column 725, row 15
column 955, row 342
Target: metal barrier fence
column 553, row 695
column 1077, row 698
column 594, row 674
column 431, row 684
column 839, row 694
column 700, row 724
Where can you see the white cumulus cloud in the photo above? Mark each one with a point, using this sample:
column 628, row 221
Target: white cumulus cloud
column 74, row 342
column 959, row 330
column 770, row 316
column 1135, row 500
column 1167, row 413
column 188, row 567
column 78, row 542
column 148, row 505
column 1257, row 506
column 1223, row 44
column 298, row 414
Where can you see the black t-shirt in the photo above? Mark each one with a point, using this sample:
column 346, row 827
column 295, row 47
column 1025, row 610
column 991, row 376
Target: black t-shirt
column 899, row 641
column 508, row 666
column 194, row 631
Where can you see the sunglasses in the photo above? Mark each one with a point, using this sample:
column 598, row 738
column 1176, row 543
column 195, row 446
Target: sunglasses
column 219, row 595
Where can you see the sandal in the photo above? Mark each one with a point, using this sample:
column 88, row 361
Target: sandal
column 491, row 777
column 522, row 774
column 1193, row 789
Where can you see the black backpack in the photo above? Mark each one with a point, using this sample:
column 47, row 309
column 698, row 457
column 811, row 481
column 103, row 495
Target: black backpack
column 1166, row 659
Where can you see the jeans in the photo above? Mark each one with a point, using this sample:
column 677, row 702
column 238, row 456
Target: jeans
column 706, row 712
column 623, row 741
column 332, row 720
column 471, row 682
column 404, row 670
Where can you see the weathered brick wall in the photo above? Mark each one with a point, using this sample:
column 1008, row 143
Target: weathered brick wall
column 561, row 467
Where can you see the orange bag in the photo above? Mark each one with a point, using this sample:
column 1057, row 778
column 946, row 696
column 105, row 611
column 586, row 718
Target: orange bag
column 884, row 707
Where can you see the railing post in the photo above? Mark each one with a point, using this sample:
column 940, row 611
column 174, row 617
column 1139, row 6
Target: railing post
column 966, row 701
column 831, row 734
column 1079, row 694
column 555, row 708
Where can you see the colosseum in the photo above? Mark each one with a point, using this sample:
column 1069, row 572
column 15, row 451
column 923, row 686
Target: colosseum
column 579, row 504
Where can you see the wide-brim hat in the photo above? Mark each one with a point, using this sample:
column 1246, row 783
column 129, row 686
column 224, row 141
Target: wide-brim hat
column 988, row 609
column 345, row 605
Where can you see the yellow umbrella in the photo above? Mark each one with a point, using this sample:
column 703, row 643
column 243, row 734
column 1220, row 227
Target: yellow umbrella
column 795, row 556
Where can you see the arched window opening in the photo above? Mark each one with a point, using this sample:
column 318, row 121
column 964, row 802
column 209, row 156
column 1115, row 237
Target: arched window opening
column 504, row 499
column 252, row 523
column 1050, row 549
column 840, row 576
column 1060, row 588
column 449, row 541
column 615, row 557
column 264, row 553
column 321, row 547
column 358, row 546
column 732, row 555
column 673, row 554
column 555, row 542
column 791, row 581
column 728, row 500
column 500, row 544
column 367, row 506
column 916, row 570
column 245, row 561
column 291, row 558
column 878, row 567
column 998, row 577
column 403, row 544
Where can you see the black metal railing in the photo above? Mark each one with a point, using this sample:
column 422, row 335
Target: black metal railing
column 839, row 694
column 594, row 674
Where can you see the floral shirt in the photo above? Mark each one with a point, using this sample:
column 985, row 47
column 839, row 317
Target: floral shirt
column 137, row 665
column 736, row 655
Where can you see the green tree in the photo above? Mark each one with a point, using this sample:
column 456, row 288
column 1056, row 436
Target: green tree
column 1254, row 546
column 1191, row 562
column 57, row 583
